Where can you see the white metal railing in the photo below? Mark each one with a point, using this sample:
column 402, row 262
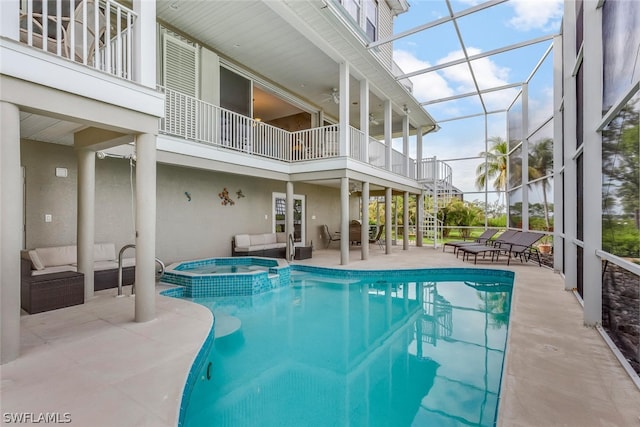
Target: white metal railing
column 96, row 33
column 357, row 145
column 377, row 153
column 431, row 170
column 193, row 119
column 398, row 164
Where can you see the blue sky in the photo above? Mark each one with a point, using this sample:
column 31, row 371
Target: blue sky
column 499, row 26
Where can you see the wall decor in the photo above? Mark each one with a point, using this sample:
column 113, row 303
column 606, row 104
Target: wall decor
column 224, row 196
column 239, row 194
column 186, row 193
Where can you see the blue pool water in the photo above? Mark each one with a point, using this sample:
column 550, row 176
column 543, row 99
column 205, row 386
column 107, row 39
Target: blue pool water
column 338, row 348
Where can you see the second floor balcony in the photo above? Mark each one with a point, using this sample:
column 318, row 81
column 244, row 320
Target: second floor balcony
column 95, row 33
column 195, row 120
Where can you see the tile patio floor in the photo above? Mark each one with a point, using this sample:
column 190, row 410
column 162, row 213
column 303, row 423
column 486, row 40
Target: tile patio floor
column 94, row 363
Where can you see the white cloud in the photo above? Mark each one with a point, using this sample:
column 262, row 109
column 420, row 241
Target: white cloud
column 425, row 86
column 536, row 14
column 488, row 74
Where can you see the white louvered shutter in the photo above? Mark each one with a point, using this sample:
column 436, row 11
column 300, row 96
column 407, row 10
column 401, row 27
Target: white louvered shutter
column 180, row 74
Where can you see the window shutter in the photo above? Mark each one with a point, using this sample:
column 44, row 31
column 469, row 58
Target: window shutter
column 180, row 66
column 180, row 74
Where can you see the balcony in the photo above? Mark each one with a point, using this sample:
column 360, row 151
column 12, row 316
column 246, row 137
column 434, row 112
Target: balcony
column 195, row 120
column 96, row 33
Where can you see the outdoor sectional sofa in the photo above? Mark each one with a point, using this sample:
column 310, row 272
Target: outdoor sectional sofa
column 50, row 280
column 272, row 245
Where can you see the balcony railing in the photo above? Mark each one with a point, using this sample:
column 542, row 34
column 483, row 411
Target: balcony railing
column 192, row 119
column 96, row 33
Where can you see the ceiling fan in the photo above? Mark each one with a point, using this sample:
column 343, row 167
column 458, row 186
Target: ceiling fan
column 333, row 96
column 373, row 120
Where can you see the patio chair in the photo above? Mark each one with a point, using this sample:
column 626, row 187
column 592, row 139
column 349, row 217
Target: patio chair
column 520, row 245
column 482, row 239
column 330, row 237
column 378, row 238
column 501, row 244
column 94, row 33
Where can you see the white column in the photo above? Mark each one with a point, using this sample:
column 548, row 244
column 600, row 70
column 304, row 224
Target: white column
column 145, row 227
column 10, row 19
column 289, row 226
column 435, row 202
column 344, row 221
column 592, row 176
column 525, row 157
column 364, row 117
column 344, row 109
column 419, row 171
column 387, row 220
column 569, row 141
column 405, row 143
column 558, row 188
column 10, row 231
column 420, row 198
column 144, row 43
column 86, row 217
column 364, row 237
column 388, row 130
column 419, row 218
column 405, row 221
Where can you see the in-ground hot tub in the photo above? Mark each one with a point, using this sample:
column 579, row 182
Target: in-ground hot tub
column 219, row 277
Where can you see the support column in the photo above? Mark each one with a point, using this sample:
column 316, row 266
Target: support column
column 364, row 117
column 145, row 227
column 420, row 167
column 144, row 56
column 388, row 135
column 10, row 19
column 405, row 221
column 344, row 109
column 592, row 178
column 419, row 218
column 525, row 157
column 387, row 220
column 10, row 231
column 558, row 161
column 344, row 221
column 289, row 225
column 569, row 141
column 364, row 237
column 405, row 143
column 86, row 217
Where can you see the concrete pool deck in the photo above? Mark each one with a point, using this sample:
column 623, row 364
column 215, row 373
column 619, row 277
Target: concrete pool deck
column 102, row 369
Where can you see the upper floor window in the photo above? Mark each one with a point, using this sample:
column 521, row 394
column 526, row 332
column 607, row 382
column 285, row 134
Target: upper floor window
column 365, row 13
column 371, row 19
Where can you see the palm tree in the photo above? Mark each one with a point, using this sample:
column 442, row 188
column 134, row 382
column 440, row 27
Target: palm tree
column 541, row 165
column 494, row 167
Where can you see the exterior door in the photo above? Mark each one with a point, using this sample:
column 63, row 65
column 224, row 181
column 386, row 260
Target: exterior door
column 280, row 216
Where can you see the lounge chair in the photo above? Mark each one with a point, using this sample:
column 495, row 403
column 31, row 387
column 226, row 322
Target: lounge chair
column 482, row 239
column 520, row 244
column 330, row 237
column 494, row 247
column 378, row 239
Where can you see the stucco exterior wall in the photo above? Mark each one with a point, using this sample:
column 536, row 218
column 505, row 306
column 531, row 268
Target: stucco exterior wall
column 199, row 228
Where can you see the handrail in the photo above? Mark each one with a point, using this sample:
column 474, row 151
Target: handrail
column 292, row 247
column 133, row 287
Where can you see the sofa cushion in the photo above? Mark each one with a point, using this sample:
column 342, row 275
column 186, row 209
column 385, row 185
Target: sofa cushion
column 105, row 265
column 35, row 260
column 242, row 241
column 58, row 255
column 257, row 239
column 128, row 262
column 104, row 252
column 281, row 237
column 269, row 238
column 53, row 269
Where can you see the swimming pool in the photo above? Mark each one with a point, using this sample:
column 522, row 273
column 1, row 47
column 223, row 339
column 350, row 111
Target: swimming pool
column 359, row 348
column 226, row 276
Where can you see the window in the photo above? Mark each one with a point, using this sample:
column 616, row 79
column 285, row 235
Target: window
column 365, row 13
column 371, row 19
